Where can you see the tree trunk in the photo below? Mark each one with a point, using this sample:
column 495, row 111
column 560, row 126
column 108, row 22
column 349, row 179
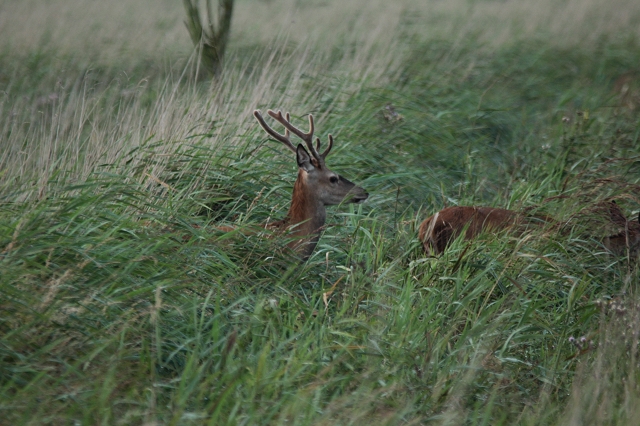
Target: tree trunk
column 210, row 39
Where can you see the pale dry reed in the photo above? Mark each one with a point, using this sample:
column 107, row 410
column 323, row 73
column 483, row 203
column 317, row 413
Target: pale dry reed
column 70, row 125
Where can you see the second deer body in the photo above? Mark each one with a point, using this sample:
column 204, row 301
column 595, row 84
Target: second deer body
column 437, row 231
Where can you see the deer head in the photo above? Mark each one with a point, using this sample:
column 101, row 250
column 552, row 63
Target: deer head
column 316, row 186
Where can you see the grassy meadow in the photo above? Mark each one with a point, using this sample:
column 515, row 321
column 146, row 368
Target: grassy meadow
column 122, row 303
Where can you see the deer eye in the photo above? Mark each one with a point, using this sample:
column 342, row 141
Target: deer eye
column 333, row 179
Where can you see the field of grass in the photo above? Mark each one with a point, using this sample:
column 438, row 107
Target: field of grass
column 121, row 302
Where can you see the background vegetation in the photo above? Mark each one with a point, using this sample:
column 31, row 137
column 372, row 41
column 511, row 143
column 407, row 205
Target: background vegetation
column 121, row 303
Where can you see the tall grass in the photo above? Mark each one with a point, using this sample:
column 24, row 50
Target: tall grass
column 123, row 303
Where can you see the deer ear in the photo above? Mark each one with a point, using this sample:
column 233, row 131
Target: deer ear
column 304, row 160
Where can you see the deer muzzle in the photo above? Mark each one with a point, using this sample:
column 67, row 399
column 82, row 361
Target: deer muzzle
column 358, row 195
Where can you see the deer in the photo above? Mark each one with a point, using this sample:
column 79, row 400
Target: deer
column 315, row 188
column 439, row 230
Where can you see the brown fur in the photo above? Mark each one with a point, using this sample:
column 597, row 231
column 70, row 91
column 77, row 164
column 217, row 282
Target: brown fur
column 305, row 219
column 437, row 231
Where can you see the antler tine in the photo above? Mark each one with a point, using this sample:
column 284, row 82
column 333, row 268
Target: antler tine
column 286, row 131
column 326, row 151
column 306, row 137
column 282, row 138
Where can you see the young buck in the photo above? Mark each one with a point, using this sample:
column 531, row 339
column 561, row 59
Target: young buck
column 437, row 231
column 315, row 188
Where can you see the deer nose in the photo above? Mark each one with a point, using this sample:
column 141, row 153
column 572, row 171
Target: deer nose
column 359, row 198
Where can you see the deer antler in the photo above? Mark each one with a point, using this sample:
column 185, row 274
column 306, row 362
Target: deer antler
column 306, row 137
column 290, row 128
column 282, row 138
column 326, row 151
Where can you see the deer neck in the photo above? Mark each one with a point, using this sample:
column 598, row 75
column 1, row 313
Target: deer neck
column 306, row 217
column 307, row 213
